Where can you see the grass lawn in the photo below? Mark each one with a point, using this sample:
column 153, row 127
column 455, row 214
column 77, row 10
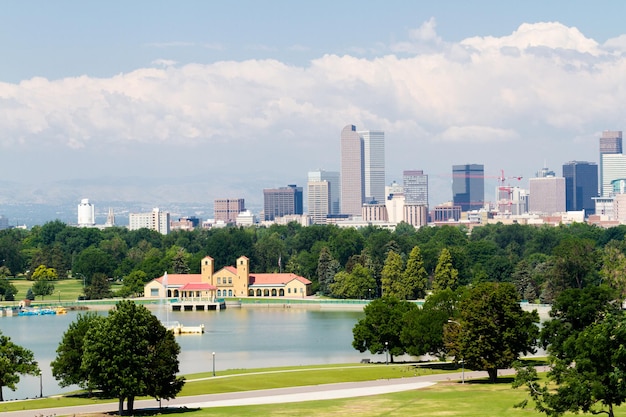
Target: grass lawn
column 65, row 290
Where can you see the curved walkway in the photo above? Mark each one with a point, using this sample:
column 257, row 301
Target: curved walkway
column 272, row 396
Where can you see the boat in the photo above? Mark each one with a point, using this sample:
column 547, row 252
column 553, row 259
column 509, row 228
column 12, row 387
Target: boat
column 60, row 310
column 36, row 312
column 177, row 328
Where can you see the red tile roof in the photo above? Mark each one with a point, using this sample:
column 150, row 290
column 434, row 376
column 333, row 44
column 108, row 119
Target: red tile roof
column 197, row 286
column 180, row 279
column 273, row 279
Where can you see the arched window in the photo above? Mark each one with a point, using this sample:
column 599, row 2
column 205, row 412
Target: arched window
column 281, row 292
column 258, row 292
column 266, row 292
column 250, row 293
column 169, row 293
column 219, row 293
column 230, row 293
column 273, row 292
column 176, row 293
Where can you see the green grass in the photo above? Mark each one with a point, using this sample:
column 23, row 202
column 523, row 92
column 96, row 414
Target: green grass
column 67, row 290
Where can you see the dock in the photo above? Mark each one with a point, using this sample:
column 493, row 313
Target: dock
column 178, row 328
column 198, row 304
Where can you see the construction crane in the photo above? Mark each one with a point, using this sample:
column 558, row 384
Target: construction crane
column 502, row 188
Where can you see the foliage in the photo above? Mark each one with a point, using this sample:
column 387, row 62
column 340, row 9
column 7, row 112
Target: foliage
column 14, row 361
column 493, row 330
column 415, row 277
column 7, row 290
column 99, row 288
column 131, row 354
column 327, row 267
column 357, row 284
column 30, row 295
column 391, row 277
column 43, row 273
column 380, row 330
column 446, row 276
column 133, row 284
column 591, row 380
column 42, row 288
column 422, row 332
column 66, row 367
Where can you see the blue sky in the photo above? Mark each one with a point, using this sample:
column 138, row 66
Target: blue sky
column 174, row 95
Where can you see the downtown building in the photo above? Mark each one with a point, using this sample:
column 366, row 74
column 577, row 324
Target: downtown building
column 610, row 144
column 156, row 220
column 323, row 195
column 362, row 169
column 547, row 195
column 581, row 186
column 283, row 201
column 86, row 214
column 415, row 184
column 227, row 209
column 468, row 186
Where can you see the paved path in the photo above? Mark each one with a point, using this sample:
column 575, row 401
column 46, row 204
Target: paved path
column 272, row 396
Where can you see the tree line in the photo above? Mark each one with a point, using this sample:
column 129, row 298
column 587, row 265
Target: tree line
column 345, row 263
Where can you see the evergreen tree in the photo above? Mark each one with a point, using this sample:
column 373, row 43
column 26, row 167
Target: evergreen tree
column 446, row 276
column 415, row 277
column 391, row 276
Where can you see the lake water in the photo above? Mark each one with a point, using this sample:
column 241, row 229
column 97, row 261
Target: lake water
column 240, row 338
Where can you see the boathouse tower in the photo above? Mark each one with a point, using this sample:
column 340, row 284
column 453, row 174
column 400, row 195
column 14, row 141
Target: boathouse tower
column 206, row 270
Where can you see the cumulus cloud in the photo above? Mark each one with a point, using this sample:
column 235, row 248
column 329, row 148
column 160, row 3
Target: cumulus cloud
column 543, row 77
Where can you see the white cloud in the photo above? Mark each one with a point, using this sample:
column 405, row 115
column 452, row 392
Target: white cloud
column 539, row 87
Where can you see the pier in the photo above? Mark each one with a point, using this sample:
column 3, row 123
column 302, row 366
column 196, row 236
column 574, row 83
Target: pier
column 198, row 304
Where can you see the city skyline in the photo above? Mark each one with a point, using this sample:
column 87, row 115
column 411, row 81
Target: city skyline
column 166, row 106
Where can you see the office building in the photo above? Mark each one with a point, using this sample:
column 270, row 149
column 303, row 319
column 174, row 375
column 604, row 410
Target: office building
column 614, row 168
column 334, row 187
column 156, row 220
column 415, row 185
column 352, row 172
column 362, row 168
column 468, row 186
column 279, row 202
column 227, row 209
column 547, row 195
column 581, row 186
column 86, row 214
column 610, row 143
column 318, row 201
column 373, row 165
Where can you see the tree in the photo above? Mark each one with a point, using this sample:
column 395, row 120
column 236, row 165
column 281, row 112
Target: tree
column 180, row 261
column 30, row 295
column 446, row 276
column 415, row 277
column 493, row 330
column 391, row 277
column 14, row 361
column 43, row 288
column 7, row 289
column 133, row 284
column 99, row 288
column 43, row 273
column 591, row 380
column 66, row 367
column 327, row 267
column 356, row 284
column 130, row 354
column 381, row 328
column 422, row 332
column 613, row 269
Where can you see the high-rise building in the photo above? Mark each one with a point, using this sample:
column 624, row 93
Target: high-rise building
column 373, row 165
column 279, row 202
column 362, row 168
column 318, row 201
column 334, row 187
column 352, row 172
column 610, row 143
column 415, row 187
column 547, row 195
column 227, row 209
column 581, row 186
column 156, row 220
column 613, row 168
column 468, row 186
column 86, row 214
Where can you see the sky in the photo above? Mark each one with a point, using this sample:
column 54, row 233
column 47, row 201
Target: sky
column 165, row 101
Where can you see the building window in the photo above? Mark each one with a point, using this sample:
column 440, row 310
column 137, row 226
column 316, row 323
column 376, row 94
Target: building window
column 230, row 293
column 273, row 292
column 250, row 293
column 289, row 290
column 266, row 293
column 219, row 281
column 219, row 293
column 258, row 293
column 281, row 292
column 154, row 292
column 230, row 280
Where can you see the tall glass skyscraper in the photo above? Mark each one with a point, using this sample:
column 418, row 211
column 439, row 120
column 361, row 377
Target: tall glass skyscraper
column 415, row 185
column 581, row 185
column 468, row 186
column 610, row 143
column 373, row 165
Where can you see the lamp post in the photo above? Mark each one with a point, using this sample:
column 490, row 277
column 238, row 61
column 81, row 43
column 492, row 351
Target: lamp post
column 213, row 363
column 59, row 297
column 386, row 353
column 462, row 359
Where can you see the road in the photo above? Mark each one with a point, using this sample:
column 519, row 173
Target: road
column 271, row 396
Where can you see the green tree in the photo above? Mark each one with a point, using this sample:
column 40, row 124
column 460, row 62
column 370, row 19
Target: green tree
column 180, row 260
column 446, row 276
column 391, row 277
column 356, row 284
column 66, row 367
column 43, row 273
column 30, row 295
column 131, row 354
column 493, row 330
column 14, row 361
column 613, row 269
column 591, row 380
column 327, row 267
column 42, row 288
column 415, row 277
column 4, row 271
column 99, row 288
column 7, row 289
column 133, row 284
column 422, row 332
column 380, row 329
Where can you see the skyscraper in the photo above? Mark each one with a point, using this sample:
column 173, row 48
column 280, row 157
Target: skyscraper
column 373, row 165
column 86, row 213
column 610, row 143
column 468, row 186
column 547, row 195
column 362, row 168
column 614, row 168
column 318, row 203
column 415, row 185
column 352, row 169
column 278, row 202
column 581, row 185
column 334, row 188
column 227, row 209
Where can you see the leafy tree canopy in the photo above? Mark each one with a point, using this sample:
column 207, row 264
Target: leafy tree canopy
column 14, row 361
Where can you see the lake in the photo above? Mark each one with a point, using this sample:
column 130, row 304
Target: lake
column 240, row 337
